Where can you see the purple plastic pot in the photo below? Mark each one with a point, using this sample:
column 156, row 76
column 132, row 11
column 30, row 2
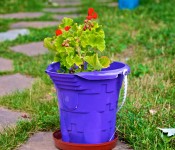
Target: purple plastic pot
column 88, row 102
column 128, row 4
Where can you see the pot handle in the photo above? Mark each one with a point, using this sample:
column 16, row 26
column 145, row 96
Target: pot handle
column 125, row 81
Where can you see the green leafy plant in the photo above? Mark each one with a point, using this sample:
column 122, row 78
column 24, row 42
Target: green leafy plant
column 78, row 47
column 140, row 70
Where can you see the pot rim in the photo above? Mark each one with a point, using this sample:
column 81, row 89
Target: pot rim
column 111, row 72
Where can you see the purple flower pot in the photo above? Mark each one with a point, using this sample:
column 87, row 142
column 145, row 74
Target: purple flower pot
column 128, row 4
column 88, row 102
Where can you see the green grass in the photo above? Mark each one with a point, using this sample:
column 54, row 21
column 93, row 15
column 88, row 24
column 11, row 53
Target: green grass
column 146, row 35
column 11, row 6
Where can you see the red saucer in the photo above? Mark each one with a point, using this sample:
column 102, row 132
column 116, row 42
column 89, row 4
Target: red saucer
column 74, row 146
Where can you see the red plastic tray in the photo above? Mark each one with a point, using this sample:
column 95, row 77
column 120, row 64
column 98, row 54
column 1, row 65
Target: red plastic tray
column 74, row 146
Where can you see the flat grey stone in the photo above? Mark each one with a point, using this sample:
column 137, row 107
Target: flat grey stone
column 65, row 3
column 22, row 15
column 39, row 141
column 34, row 24
column 12, row 34
column 6, row 64
column 44, row 141
column 104, row 1
column 8, row 118
column 61, row 16
column 71, row 3
column 15, row 82
column 114, row 4
column 122, row 146
column 30, row 49
column 61, row 10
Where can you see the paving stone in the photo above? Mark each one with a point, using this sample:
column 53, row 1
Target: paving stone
column 122, row 146
column 114, row 4
column 65, row 0
column 39, row 141
column 12, row 83
column 12, row 34
column 34, row 24
column 69, row 3
column 60, row 10
column 104, row 1
column 61, row 16
column 6, row 64
column 8, row 118
column 30, row 49
column 66, row 3
column 22, row 15
column 44, row 141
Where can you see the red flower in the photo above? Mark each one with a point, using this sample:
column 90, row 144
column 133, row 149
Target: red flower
column 67, row 28
column 95, row 15
column 58, row 32
column 91, row 14
column 90, row 11
column 89, row 17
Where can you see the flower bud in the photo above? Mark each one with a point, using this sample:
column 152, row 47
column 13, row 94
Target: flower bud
column 84, row 28
column 67, row 45
column 85, row 21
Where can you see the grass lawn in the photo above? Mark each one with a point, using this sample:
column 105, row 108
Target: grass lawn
column 146, row 35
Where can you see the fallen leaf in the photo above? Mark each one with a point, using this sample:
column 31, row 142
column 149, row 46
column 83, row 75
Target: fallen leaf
column 152, row 111
column 170, row 131
column 24, row 116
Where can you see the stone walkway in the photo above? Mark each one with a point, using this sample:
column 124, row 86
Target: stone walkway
column 67, row 3
column 61, row 10
column 13, row 34
column 31, row 49
column 114, row 4
column 44, row 141
column 10, row 83
column 61, row 16
column 8, row 118
column 6, row 65
column 22, row 15
column 34, row 24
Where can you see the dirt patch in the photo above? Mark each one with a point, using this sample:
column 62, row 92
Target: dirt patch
column 50, row 95
column 125, row 55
